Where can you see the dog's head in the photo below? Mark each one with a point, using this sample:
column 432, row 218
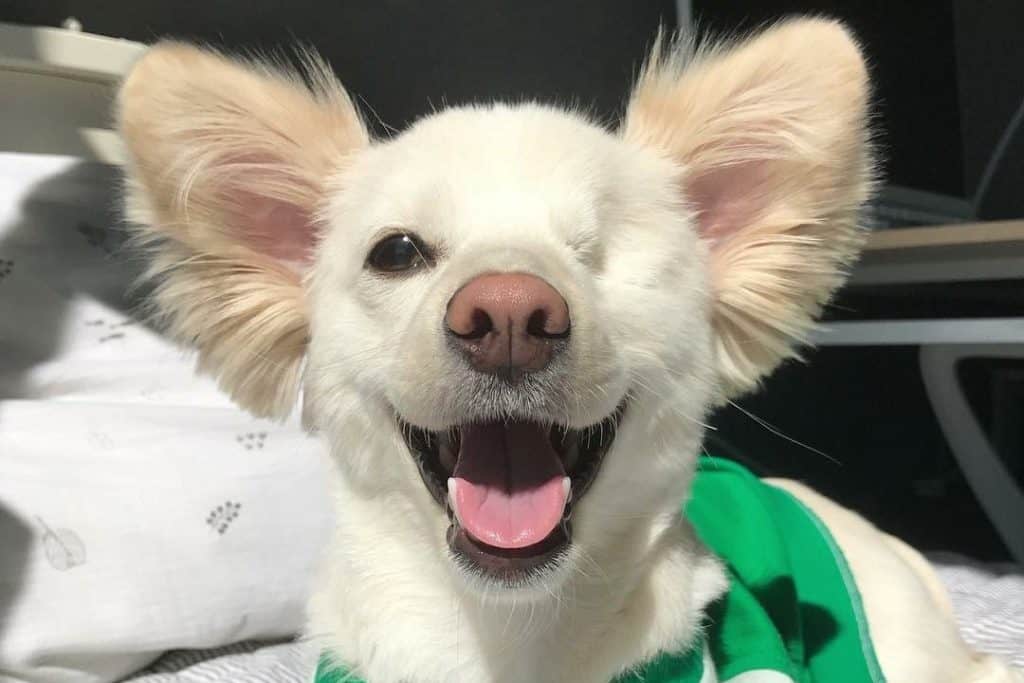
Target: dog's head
column 510, row 321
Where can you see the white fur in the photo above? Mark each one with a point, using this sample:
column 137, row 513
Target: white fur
column 693, row 247
column 382, row 350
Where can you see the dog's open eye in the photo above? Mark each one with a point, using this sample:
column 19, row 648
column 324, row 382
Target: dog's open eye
column 398, row 253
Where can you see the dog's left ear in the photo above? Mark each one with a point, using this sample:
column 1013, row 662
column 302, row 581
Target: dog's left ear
column 228, row 166
column 772, row 142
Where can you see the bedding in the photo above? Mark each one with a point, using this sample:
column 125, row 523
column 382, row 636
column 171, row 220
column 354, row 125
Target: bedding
column 989, row 602
column 140, row 511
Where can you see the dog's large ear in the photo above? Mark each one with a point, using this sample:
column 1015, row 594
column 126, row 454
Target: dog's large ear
column 227, row 164
column 771, row 139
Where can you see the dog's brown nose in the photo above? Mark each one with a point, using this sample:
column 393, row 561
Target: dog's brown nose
column 508, row 323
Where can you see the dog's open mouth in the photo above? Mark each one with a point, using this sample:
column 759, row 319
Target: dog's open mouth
column 509, row 487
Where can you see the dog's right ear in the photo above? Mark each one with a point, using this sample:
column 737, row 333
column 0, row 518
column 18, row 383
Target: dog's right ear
column 227, row 166
column 770, row 137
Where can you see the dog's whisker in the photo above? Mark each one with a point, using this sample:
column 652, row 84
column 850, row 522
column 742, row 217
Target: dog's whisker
column 779, row 433
column 587, row 559
column 676, row 410
column 648, row 388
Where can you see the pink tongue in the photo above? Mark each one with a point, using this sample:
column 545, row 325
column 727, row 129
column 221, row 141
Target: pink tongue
column 507, row 489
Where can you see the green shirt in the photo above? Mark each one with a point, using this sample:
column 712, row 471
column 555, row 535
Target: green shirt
column 792, row 613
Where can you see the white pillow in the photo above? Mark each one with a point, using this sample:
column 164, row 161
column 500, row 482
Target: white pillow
column 139, row 510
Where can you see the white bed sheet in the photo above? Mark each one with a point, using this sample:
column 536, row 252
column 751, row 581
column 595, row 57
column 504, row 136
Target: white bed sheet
column 989, row 603
column 140, row 511
column 289, row 662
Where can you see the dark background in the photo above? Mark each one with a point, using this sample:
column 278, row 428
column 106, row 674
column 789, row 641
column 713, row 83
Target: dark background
column 945, row 72
column 403, row 58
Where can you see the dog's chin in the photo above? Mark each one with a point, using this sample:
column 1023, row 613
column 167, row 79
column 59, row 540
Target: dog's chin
column 508, row 489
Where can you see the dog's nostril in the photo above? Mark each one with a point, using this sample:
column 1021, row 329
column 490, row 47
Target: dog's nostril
column 536, row 324
column 480, row 325
column 472, row 327
column 543, row 324
column 507, row 321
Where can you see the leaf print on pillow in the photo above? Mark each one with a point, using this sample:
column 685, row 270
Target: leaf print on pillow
column 221, row 517
column 64, row 548
column 252, row 440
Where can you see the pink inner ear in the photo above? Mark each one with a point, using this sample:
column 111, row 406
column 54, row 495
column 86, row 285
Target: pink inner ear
column 729, row 199
column 280, row 230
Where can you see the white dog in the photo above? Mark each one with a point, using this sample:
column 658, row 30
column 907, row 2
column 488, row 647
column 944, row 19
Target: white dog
column 508, row 315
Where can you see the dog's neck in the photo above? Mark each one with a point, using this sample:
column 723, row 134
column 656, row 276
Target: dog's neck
column 396, row 612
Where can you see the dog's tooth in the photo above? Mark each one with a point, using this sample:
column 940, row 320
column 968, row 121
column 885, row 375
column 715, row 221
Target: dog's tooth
column 449, row 510
column 567, row 489
column 451, row 499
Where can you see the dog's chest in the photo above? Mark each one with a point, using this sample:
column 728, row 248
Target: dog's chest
column 572, row 645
